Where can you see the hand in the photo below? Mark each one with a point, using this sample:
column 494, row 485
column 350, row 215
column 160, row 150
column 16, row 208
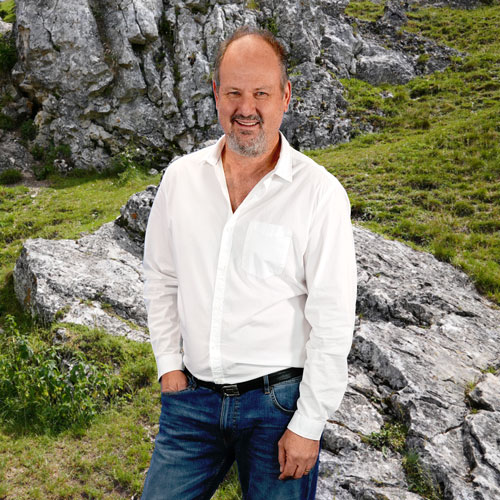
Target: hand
column 297, row 455
column 173, row 381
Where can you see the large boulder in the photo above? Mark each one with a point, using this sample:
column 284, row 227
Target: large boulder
column 104, row 73
column 426, row 354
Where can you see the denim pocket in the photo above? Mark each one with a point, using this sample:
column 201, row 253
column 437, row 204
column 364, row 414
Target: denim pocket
column 266, row 248
column 172, row 393
column 284, row 395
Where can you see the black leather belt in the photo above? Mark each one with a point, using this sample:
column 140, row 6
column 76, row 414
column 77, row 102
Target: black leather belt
column 249, row 385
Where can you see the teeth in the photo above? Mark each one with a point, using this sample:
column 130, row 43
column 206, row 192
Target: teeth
column 246, row 123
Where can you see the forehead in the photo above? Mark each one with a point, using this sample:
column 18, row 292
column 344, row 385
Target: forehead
column 248, row 59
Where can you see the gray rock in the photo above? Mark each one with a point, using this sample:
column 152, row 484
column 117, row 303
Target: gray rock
column 5, row 28
column 135, row 213
column 483, row 451
column 423, row 335
column 362, row 473
column 13, row 155
column 95, row 281
column 139, row 71
column 395, row 13
column 486, row 394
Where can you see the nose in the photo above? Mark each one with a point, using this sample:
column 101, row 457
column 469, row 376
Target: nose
column 246, row 105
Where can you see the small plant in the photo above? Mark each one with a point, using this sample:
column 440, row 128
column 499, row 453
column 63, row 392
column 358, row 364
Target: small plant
column 271, row 24
column 419, row 479
column 10, row 176
column 45, row 388
column 392, row 435
column 490, row 369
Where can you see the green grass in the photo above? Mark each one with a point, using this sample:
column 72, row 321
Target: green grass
column 430, row 176
column 365, row 9
column 9, row 7
column 10, row 176
column 106, row 461
column 66, row 208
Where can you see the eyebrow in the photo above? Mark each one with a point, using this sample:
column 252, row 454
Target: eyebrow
column 264, row 87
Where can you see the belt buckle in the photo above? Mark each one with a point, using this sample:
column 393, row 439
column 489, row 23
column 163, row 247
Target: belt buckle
column 230, row 390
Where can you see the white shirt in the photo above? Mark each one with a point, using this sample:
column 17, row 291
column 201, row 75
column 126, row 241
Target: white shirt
column 234, row 296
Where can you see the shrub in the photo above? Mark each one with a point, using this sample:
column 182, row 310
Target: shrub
column 47, row 157
column 43, row 389
column 6, row 122
column 10, row 176
column 8, row 54
column 28, row 130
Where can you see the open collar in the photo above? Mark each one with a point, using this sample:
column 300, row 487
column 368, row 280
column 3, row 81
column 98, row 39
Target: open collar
column 282, row 169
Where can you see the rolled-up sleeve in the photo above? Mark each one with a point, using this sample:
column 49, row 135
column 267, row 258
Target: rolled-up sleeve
column 160, row 287
column 330, row 270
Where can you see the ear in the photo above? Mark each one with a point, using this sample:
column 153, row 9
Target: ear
column 287, row 95
column 216, row 95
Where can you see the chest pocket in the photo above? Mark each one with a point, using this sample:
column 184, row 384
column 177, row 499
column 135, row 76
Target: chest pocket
column 266, row 248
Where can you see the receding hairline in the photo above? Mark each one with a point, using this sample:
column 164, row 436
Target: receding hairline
column 264, row 35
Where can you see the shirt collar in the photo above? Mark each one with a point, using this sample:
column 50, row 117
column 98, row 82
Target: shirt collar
column 283, row 168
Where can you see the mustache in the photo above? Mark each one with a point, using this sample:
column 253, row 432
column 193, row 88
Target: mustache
column 256, row 118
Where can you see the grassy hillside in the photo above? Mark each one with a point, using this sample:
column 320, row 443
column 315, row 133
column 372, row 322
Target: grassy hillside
column 430, row 176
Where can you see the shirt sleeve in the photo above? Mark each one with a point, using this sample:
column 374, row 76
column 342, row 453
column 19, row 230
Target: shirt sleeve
column 160, row 286
column 330, row 271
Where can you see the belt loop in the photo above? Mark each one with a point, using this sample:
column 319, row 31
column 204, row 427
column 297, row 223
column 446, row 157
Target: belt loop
column 266, row 384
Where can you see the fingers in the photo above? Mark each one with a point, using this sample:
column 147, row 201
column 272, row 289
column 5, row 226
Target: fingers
column 288, row 470
column 281, row 456
column 294, row 470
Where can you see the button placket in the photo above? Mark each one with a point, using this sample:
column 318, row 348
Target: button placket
column 220, row 280
column 218, row 300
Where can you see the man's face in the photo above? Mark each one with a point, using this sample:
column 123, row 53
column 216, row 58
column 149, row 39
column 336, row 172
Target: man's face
column 250, row 101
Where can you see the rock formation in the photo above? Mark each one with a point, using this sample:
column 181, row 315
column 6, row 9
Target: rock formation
column 102, row 74
column 426, row 354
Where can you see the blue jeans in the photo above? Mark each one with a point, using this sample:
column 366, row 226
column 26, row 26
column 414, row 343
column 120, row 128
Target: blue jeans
column 203, row 432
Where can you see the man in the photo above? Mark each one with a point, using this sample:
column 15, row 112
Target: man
column 250, row 290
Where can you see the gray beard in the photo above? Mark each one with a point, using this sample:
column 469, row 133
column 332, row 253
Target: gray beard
column 251, row 149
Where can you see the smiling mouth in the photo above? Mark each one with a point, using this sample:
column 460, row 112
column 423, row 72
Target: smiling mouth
column 246, row 121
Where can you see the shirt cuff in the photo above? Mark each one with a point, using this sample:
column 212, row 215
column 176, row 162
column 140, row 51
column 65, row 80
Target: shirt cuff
column 169, row 362
column 306, row 427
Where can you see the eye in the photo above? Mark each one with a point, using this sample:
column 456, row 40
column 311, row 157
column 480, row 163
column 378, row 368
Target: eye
column 233, row 93
column 261, row 94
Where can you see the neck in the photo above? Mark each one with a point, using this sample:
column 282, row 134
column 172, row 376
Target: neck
column 236, row 165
